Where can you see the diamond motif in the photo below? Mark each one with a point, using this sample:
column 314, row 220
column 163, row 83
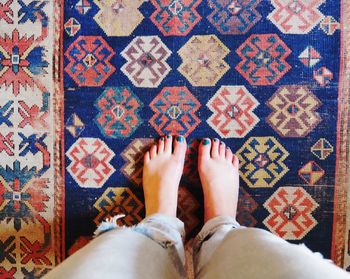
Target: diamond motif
column 296, row 16
column 290, row 211
column 233, row 17
column 311, row 173
column 233, row 115
column 118, row 115
column 146, row 64
column 323, row 76
column 83, row 6
column 262, row 161
column 116, row 201
column 90, row 162
column 133, row 157
column 118, row 17
column 175, row 17
column 263, row 59
column 74, row 125
column 72, row 26
column 293, row 111
column 203, row 60
column 310, row 57
column 322, row 149
column 329, row 25
column 89, row 61
column 181, row 122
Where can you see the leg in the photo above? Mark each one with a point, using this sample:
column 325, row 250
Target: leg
column 153, row 248
column 223, row 249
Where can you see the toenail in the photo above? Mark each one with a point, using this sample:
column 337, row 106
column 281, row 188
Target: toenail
column 162, row 139
column 180, row 138
column 168, row 136
column 215, row 139
column 205, row 141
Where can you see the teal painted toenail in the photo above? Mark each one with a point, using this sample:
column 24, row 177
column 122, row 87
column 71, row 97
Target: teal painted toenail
column 180, row 138
column 205, row 141
column 162, row 139
column 168, row 136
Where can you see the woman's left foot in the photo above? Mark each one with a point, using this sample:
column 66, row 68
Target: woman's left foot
column 162, row 171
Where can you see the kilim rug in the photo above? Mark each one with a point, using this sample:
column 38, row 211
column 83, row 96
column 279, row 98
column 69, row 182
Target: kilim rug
column 87, row 85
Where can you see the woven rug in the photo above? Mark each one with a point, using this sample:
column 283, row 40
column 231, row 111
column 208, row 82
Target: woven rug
column 87, row 85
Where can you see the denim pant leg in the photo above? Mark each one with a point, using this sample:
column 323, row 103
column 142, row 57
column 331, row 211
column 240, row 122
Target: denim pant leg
column 224, row 249
column 151, row 249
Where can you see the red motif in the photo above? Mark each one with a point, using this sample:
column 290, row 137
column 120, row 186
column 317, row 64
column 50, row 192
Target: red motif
column 175, row 18
column 175, row 111
column 89, row 61
column 20, row 62
column 90, row 166
column 263, row 59
column 290, row 211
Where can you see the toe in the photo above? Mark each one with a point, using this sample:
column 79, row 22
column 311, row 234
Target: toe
column 180, row 147
column 161, row 143
column 146, row 157
column 235, row 161
column 215, row 148
column 204, row 149
column 229, row 154
column 168, row 144
column 153, row 151
column 222, row 149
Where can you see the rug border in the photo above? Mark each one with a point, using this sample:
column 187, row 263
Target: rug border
column 59, row 167
column 342, row 171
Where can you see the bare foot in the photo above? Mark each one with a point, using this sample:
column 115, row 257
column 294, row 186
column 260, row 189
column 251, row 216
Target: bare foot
column 162, row 171
column 218, row 171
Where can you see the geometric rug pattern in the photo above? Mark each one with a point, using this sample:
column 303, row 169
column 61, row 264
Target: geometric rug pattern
column 86, row 86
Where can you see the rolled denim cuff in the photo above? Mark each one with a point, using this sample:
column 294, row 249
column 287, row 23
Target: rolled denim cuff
column 211, row 226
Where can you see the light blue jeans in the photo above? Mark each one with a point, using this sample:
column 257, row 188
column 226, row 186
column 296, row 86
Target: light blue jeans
column 223, row 249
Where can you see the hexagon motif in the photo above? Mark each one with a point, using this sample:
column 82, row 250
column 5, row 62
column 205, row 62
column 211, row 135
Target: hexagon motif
column 175, row 17
column 187, row 209
column 175, row 111
column 233, row 115
column 293, row 111
column 261, row 161
column 90, row 162
column 263, row 59
column 118, row 112
column 290, row 211
column 146, row 64
column 89, row 61
column 118, row 17
column 203, row 60
column 246, row 206
column 116, row 201
column 233, row 17
column 296, row 16
column 190, row 172
column 133, row 157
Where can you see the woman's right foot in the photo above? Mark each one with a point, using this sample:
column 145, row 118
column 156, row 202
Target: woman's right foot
column 218, row 171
